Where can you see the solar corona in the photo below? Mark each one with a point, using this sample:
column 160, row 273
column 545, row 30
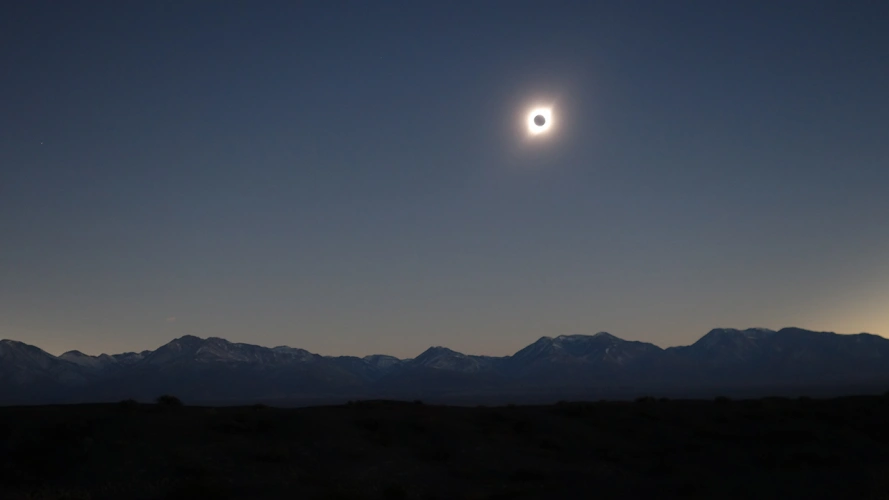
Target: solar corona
column 539, row 120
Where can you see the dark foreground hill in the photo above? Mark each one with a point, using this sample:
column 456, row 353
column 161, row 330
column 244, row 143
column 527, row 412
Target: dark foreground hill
column 771, row 448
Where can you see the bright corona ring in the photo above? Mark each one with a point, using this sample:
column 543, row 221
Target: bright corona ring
column 539, row 120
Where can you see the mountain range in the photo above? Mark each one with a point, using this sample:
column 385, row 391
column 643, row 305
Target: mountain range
column 755, row 362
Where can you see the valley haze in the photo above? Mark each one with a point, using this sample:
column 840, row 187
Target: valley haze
column 755, row 362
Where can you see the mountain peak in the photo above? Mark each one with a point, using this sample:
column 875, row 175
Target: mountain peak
column 795, row 330
column 87, row 361
column 381, row 360
column 568, row 341
column 16, row 346
column 180, row 348
column 728, row 345
column 12, row 342
column 188, row 339
column 582, row 337
column 442, row 358
column 749, row 332
column 215, row 367
column 606, row 336
column 599, row 349
column 438, row 348
column 437, row 351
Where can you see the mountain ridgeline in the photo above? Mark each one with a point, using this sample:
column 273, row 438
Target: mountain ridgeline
column 754, row 362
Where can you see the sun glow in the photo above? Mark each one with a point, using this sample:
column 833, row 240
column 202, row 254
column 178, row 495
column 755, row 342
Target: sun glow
column 540, row 120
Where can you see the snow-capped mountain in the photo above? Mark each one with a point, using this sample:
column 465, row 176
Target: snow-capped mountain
column 382, row 361
column 191, row 349
column 439, row 369
column 94, row 363
column 577, row 361
column 25, row 364
column 214, row 369
column 726, row 346
column 442, row 358
column 130, row 358
column 30, row 375
column 103, row 362
column 297, row 354
column 601, row 349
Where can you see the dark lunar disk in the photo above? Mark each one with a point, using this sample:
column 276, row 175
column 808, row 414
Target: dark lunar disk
column 539, row 120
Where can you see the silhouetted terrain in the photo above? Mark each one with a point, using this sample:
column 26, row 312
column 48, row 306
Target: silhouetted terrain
column 770, row 448
column 739, row 363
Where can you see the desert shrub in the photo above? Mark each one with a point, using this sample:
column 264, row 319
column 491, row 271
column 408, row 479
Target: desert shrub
column 570, row 410
column 497, row 418
column 70, row 431
column 811, row 458
column 775, row 401
column 527, row 475
column 521, row 427
column 342, row 493
column 368, row 424
column 168, row 400
column 549, row 445
column 416, row 427
column 754, row 404
column 504, row 495
column 686, row 489
column 394, row 491
column 278, row 454
column 47, row 493
column 190, row 469
column 793, row 413
column 790, row 437
column 200, row 487
column 231, row 427
column 645, row 399
column 719, row 419
column 432, row 453
column 128, row 404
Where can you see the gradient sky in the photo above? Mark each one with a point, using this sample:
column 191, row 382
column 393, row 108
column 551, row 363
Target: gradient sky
column 354, row 177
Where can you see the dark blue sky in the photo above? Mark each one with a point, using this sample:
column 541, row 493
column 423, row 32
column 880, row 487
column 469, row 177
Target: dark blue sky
column 355, row 177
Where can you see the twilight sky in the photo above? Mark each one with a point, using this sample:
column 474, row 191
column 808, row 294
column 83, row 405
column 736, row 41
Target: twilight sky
column 355, row 177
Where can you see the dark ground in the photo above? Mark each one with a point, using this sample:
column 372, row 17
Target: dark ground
column 770, row 448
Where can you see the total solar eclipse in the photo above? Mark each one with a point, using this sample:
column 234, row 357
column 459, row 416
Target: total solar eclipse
column 539, row 120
